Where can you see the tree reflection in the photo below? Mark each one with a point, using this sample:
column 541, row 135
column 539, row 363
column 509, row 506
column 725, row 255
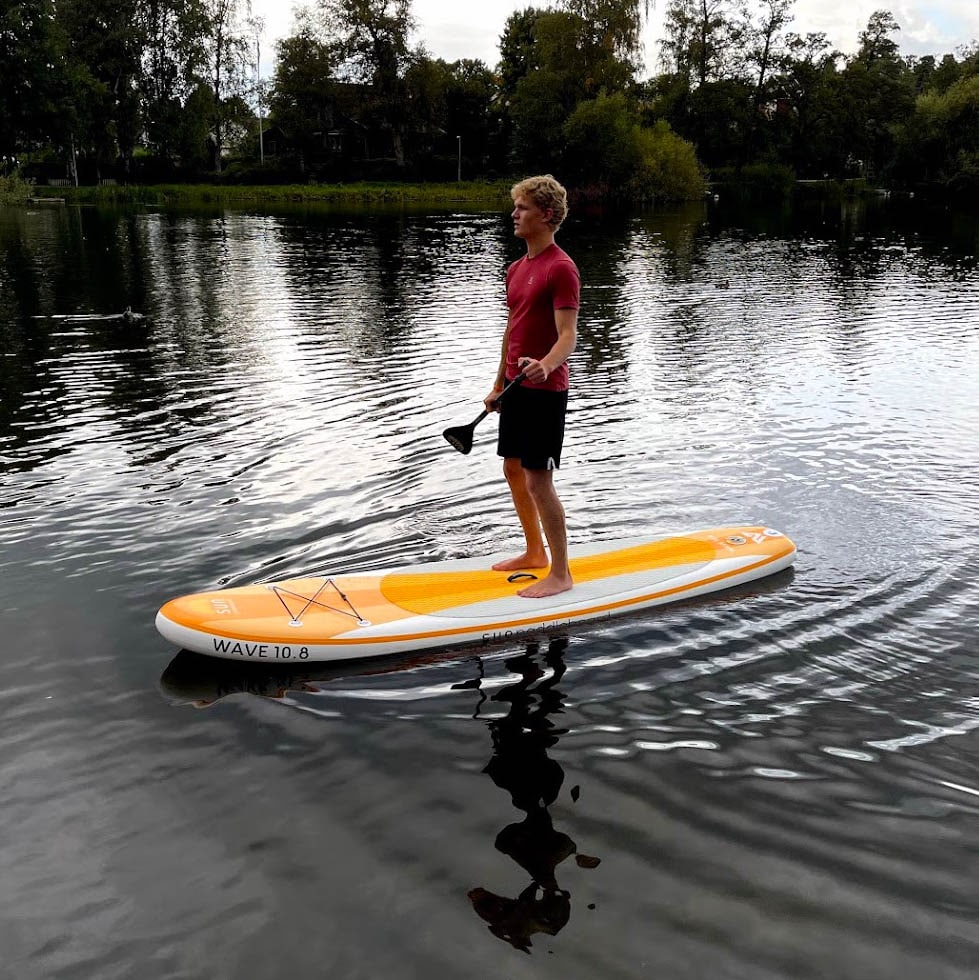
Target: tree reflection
column 521, row 766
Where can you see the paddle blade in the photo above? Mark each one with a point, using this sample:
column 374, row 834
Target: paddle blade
column 460, row 438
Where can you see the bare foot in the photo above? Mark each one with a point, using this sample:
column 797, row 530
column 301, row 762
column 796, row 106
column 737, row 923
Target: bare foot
column 549, row 585
column 521, row 561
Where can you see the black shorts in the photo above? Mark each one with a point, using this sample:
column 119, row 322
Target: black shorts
column 532, row 427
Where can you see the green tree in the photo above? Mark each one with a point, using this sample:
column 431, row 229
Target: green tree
column 103, row 59
column 302, row 100
column 698, row 38
column 970, row 59
column 719, row 63
column 554, row 60
column 876, row 43
column 471, row 89
column 600, row 136
column 30, row 59
column 427, row 83
column 469, row 96
column 227, row 45
column 174, row 65
column 947, row 72
column 876, row 97
column 762, row 39
column 961, row 112
column 703, row 96
column 932, row 75
column 721, row 121
column 806, row 85
column 608, row 148
column 517, row 58
column 552, row 83
column 610, row 33
column 764, row 43
column 193, row 134
column 372, row 43
column 941, row 141
column 517, row 54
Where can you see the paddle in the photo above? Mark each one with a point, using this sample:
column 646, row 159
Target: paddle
column 460, row 437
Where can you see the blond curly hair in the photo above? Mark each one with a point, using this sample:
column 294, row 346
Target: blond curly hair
column 547, row 194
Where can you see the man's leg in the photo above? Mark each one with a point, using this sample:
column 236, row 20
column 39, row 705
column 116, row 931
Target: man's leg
column 540, row 484
column 534, row 556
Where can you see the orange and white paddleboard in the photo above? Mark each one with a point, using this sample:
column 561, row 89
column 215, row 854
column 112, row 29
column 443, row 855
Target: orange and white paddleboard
column 461, row 601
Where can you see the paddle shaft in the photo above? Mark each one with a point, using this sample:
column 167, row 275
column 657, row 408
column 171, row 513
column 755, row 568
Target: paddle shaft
column 461, row 437
column 486, row 411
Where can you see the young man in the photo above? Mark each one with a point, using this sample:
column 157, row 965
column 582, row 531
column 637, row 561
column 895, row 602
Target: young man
column 542, row 329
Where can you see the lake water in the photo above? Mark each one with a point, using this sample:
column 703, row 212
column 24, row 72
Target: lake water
column 776, row 782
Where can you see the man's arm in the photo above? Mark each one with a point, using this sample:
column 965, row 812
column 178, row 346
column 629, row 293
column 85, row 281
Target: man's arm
column 566, row 322
column 490, row 400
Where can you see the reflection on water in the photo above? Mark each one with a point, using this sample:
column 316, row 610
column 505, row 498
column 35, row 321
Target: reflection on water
column 779, row 780
column 521, row 766
column 191, row 678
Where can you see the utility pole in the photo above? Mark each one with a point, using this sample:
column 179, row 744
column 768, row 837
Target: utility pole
column 257, row 24
column 261, row 136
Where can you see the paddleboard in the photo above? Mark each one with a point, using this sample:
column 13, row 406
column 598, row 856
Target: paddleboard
column 461, row 601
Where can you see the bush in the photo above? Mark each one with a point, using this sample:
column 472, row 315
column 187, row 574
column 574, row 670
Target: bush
column 601, row 142
column 940, row 143
column 14, row 190
column 667, row 168
column 608, row 151
column 248, row 172
column 767, row 180
column 964, row 180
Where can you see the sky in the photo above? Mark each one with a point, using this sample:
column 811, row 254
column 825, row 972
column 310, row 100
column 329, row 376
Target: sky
column 453, row 29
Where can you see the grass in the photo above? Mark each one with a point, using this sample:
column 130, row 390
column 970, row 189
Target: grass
column 357, row 194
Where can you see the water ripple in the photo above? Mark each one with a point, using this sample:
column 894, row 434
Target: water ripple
column 791, row 760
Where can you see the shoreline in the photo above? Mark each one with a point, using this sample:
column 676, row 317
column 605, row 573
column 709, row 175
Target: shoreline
column 163, row 195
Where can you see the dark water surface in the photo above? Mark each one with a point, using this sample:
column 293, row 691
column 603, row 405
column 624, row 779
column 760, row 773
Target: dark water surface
column 779, row 782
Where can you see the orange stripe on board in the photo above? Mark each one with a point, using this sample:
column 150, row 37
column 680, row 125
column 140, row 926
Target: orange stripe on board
column 427, row 593
column 558, row 616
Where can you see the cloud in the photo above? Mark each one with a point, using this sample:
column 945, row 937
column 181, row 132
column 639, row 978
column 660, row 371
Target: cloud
column 926, row 27
column 452, row 29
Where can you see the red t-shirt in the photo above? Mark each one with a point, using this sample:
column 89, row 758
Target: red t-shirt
column 535, row 288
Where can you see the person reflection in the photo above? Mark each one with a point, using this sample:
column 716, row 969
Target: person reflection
column 521, row 766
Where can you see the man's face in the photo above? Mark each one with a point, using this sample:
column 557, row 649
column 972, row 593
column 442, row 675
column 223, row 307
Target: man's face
column 529, row 221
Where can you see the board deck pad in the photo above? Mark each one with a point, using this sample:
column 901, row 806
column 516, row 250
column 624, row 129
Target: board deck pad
column 461, row 601
column 439, row 592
